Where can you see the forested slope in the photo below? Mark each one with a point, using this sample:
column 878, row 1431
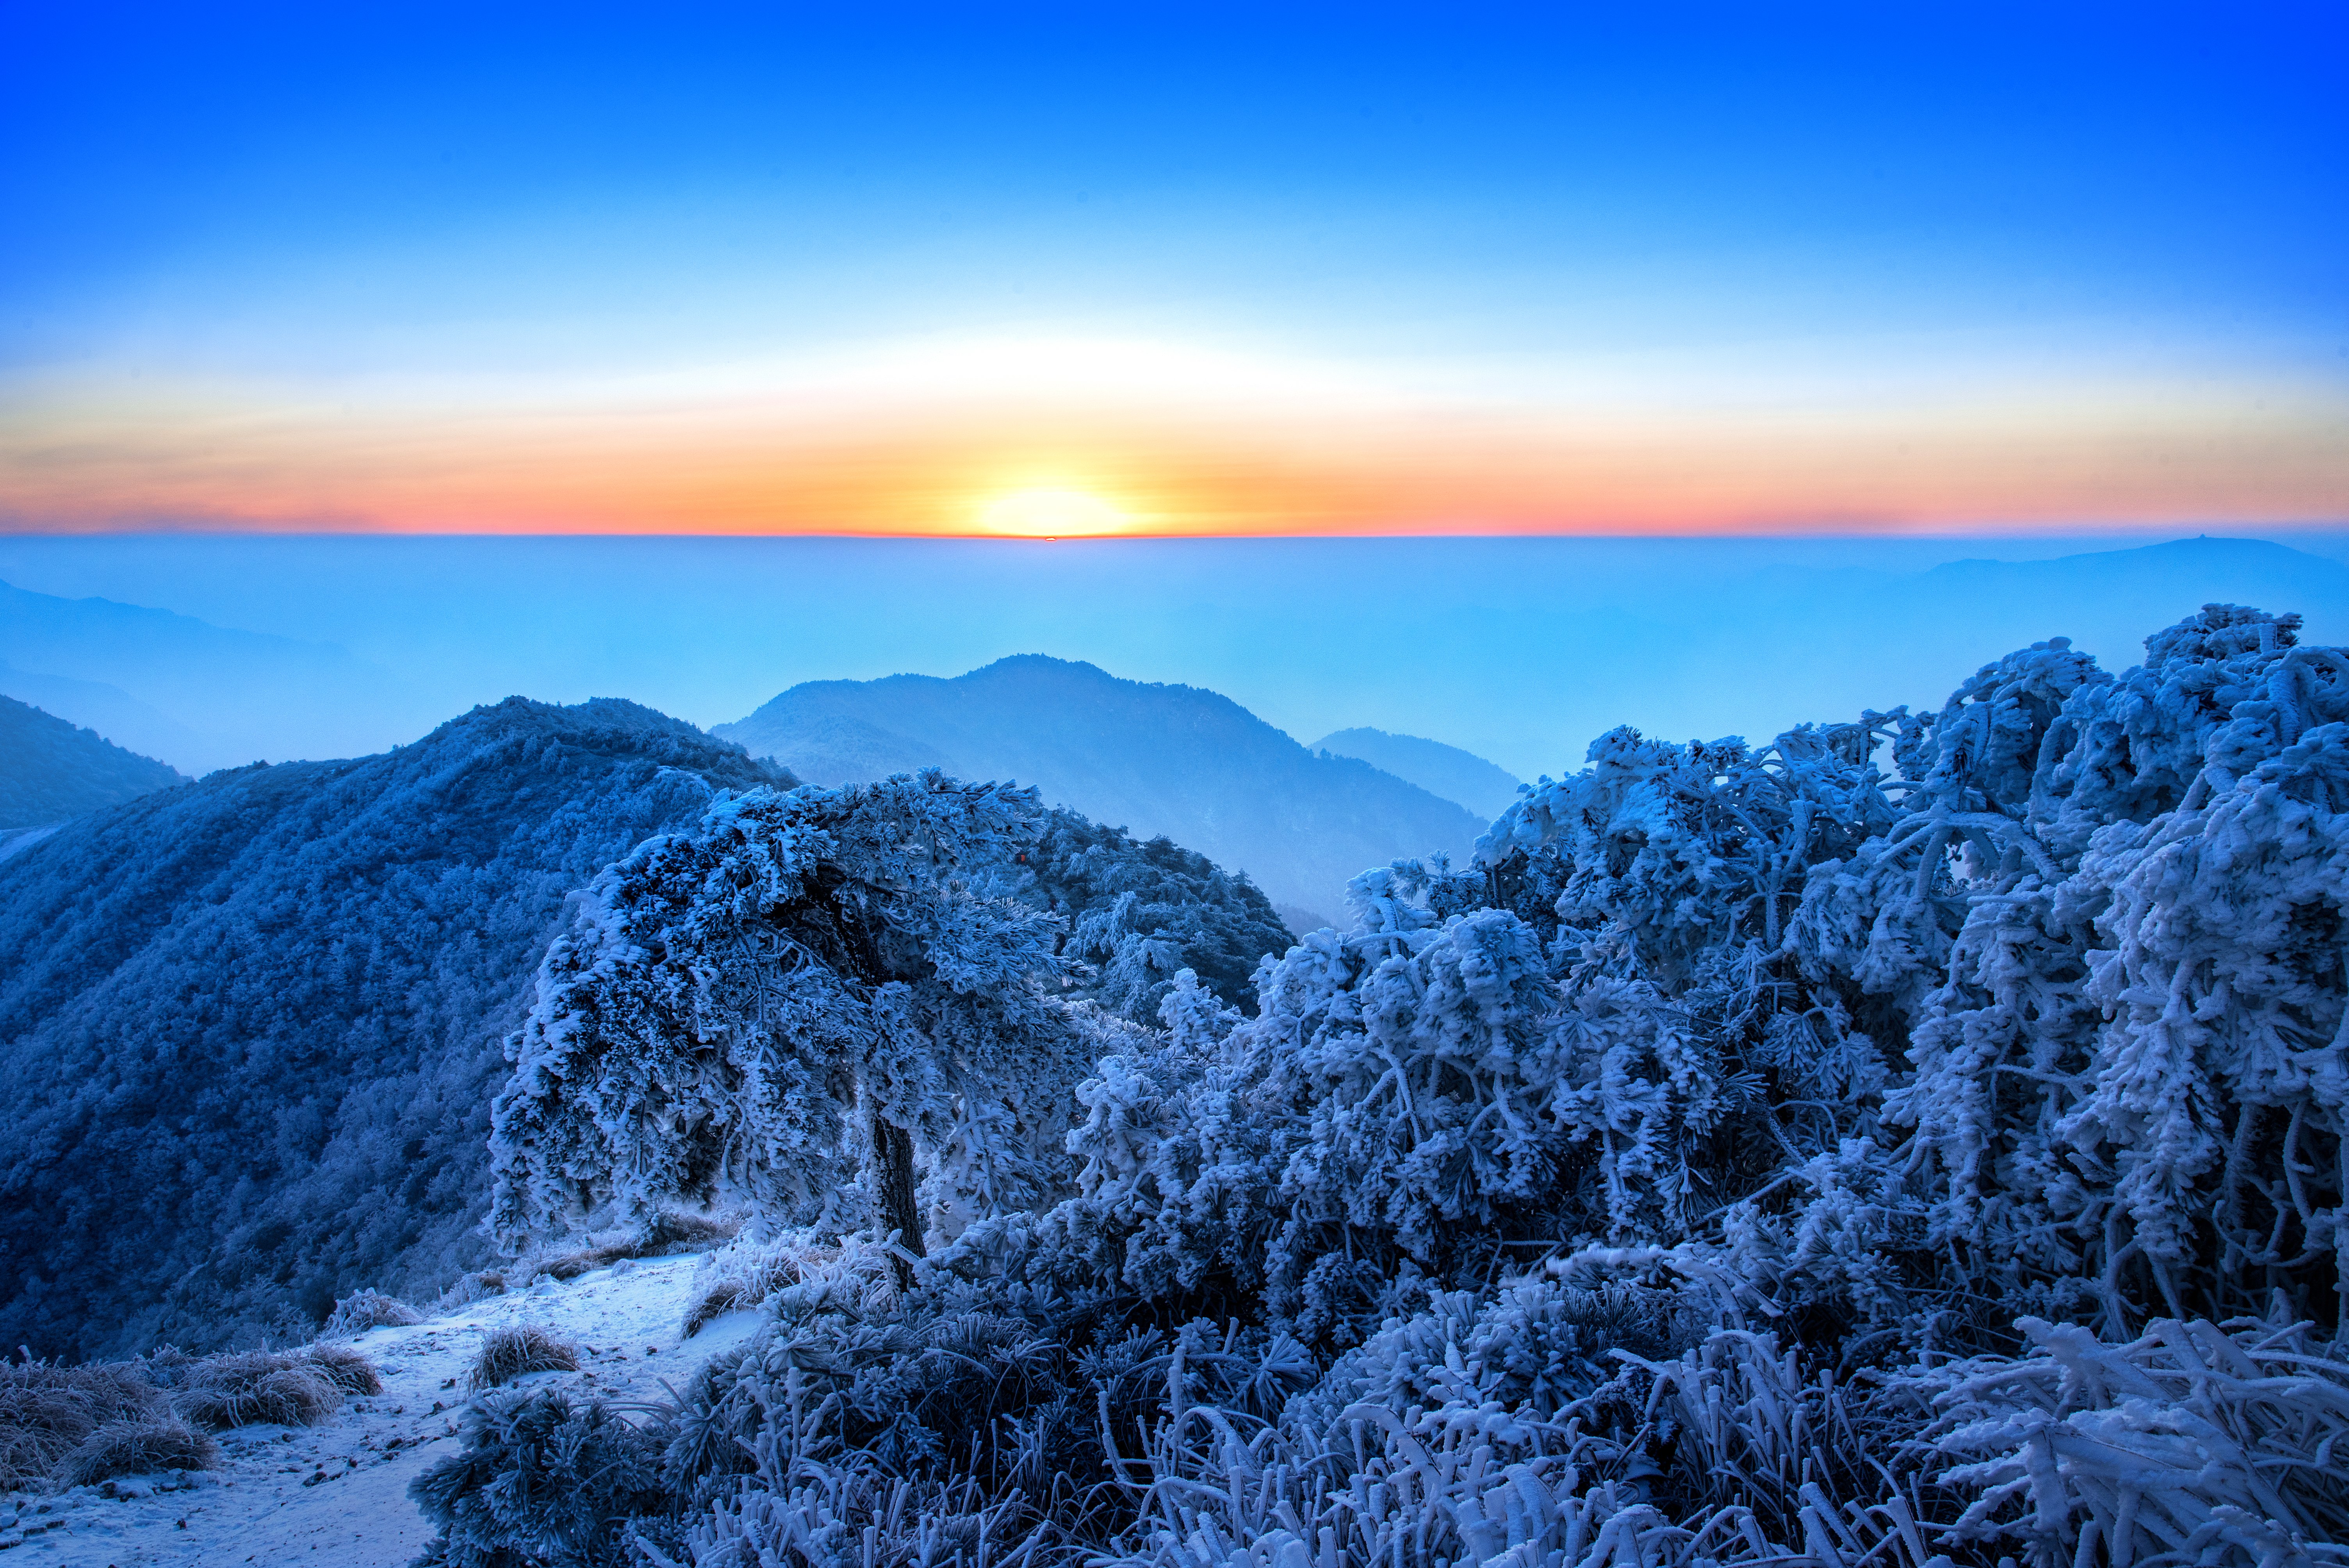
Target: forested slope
column 1157, row 759
column 51, row 770
column 251, row 1027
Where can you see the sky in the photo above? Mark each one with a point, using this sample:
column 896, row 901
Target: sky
column 1926, row 269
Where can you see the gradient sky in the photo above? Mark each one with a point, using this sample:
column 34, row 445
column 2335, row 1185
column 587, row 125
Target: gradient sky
column 878, row 269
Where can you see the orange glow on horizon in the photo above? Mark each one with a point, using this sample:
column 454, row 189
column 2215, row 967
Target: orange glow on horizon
column 1126, row 441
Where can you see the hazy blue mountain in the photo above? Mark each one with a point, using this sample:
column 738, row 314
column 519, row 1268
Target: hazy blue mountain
column 110, row 711
column 51, row 770
column 201, row 697
column 1522, row 650
column 1156, row 759
column 1483, row 787
column 251, row 1027
column 2151, row 580
column 831, row 748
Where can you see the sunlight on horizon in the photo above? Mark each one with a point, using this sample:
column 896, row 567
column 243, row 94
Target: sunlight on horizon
column 1052, row 511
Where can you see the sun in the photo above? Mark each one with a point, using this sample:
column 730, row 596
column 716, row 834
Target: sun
column 1051, row 511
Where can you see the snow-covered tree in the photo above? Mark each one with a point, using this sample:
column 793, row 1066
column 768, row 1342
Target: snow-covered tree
column 1142, row 910
column 797, row 1006
column 2131, row 1084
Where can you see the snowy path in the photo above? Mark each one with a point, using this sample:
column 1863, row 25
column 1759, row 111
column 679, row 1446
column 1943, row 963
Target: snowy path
column 337, row 1493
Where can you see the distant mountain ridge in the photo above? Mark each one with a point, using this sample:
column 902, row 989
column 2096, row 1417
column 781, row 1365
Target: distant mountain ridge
column 1485, row 788
column 51, row 771
column 200, row 696
column 2253, row 569
column 1176, row 760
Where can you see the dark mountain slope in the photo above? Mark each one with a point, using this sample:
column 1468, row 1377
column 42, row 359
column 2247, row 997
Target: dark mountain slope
column 1157, row 759
column 51, row 770
column 251, row 1027
column 1459, row 775
column 122, row 719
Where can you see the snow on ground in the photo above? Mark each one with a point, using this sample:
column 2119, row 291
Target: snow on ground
column 338, row 1492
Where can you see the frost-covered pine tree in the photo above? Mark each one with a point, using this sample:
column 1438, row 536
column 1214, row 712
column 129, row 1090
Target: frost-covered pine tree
column 800, row 1006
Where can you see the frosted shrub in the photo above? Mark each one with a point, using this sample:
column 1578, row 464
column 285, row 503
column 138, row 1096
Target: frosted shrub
column 1532, row 1349
column 366, row 1309
column 542, row 1479
column 1139, row 912
column 1669, row 1187
column 2191, row 1442
column 2128, row 1082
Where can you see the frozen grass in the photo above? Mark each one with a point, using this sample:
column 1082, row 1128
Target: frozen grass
column 748, row 1283
column 673, row 1233
column 666, row 1233
column 257, row 1386
column 854, row 1276
column 72, row 1425
column 469, row 1289
column 367, row 1309
column 46, row 1411
column 136, row 1447
column 511, row 1353
column 2193, row 1438
column 345, row 1368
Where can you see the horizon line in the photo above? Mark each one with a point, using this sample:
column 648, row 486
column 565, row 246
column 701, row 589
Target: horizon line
column 2085, row 529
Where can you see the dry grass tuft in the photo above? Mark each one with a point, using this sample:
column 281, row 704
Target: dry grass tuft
column 469, row 1289
column 670, row 1232
column 740, row 1290
column 75, row 1425
column 345, row 1368
column 587, row 1260
column 46, row 1411
column 136, row 1447
column 727, row 1296
column 367, row 1309
column 255, row 1388
column 511, row 1353
column 665, row 1234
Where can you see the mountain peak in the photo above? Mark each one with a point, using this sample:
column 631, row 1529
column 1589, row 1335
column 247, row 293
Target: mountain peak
column 1156, row 759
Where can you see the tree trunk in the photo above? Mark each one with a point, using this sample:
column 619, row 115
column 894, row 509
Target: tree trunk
column 893, row 1152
